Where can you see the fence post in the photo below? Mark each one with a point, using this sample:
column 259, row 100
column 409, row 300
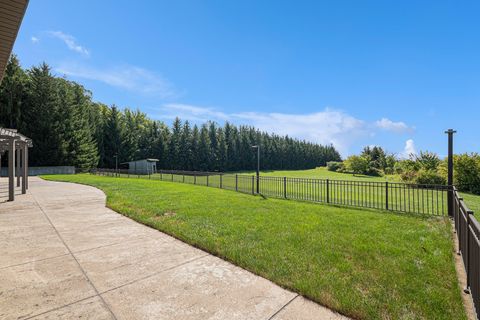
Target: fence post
column 183, row 178
column 457, row 221
column 253, row 184
column 221, row 181
column 194, row 178
column 207, row 179
column 161, row 175
column 258, row 183
column 386, row 195
column 467, row 249
column 456, row 210
column 172, row 176
column 236, row 182
column 328, row 191
column 285, row 187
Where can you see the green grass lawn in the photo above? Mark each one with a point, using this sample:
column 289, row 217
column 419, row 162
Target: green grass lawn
column 322, row 173
column 341, row 191
column 473, row 201
column 365, row 264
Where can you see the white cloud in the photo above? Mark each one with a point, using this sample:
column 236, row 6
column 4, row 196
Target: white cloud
column 127, row 77
column 389, row 125
column 329, row 126
column 408, row 149
column 326, row 127
column 34, row 39
column 70, row 41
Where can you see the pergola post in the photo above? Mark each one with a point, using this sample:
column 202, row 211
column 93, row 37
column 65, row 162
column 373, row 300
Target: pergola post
column 11, row 170
column 24, row 168
column 25, row 162
column 17, row 169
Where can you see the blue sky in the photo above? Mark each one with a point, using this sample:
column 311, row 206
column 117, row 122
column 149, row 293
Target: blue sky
column 351, row 73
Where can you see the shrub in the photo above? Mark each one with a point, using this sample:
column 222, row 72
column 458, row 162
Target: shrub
column 389, row 170
column 429, row 177
column 334, row 166
column 391, row 162
column 404, row 166
column 376, row 157
column 409, row 176
column 357, row 164
column 467, row 172
column 428, row 160
column 374, row 172
column 398, row 168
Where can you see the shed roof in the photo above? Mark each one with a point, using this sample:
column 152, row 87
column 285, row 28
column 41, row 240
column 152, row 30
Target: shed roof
column 148, row 160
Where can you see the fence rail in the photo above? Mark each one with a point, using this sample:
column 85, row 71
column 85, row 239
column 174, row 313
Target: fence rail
column 392, row 196
column 467, row 229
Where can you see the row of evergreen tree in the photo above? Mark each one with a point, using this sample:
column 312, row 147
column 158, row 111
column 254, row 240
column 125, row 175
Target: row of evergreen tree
column 68, row 128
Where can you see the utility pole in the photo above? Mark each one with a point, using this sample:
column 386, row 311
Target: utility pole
column 258, row 167
column 450, row 133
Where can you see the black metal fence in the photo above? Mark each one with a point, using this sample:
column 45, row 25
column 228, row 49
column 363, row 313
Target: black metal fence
column 467, row 229
column 393, row 196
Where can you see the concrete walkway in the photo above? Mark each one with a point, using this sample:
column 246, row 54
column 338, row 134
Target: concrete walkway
column 63, row 254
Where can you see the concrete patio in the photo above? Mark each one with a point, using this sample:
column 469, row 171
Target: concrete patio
column 65, row 255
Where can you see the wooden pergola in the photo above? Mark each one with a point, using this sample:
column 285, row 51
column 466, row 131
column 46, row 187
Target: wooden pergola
column 16, row 146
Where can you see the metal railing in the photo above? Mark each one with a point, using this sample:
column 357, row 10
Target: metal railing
column 467, row 229
column 392, row 196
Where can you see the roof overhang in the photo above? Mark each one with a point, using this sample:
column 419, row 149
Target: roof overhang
column 11, row 15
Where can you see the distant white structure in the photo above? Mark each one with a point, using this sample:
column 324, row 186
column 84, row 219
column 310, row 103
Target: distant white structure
column 143, row 166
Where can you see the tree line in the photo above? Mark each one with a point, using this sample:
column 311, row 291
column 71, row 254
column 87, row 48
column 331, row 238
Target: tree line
column 68, row 128
column 422, row 168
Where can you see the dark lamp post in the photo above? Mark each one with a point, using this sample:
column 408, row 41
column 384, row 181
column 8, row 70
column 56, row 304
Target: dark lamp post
column 450, row 133
column 116, row 164
column 258, row 167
